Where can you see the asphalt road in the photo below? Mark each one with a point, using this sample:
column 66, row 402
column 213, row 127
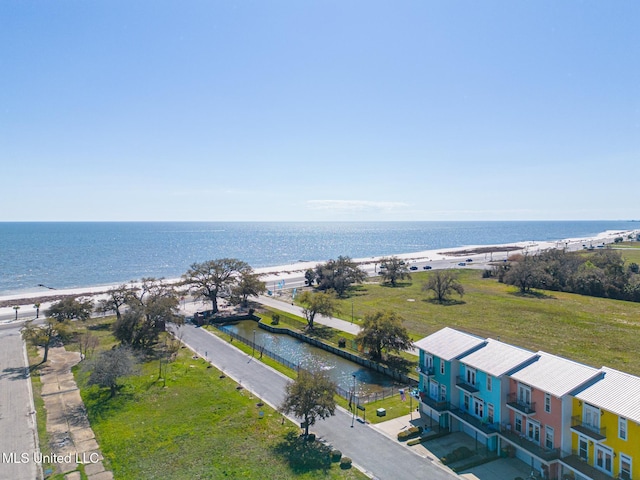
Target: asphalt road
column 382, row 457
column 17, row 415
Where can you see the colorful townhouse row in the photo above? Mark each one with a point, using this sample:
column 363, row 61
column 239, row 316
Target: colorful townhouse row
column 565, row 419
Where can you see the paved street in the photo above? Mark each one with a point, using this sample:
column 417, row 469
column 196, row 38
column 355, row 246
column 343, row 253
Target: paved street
column 381, row 456
column 17, row 416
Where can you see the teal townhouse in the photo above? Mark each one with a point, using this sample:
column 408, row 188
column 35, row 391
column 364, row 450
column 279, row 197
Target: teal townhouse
column 482, row 387
column 439, row 367
column 540, row 408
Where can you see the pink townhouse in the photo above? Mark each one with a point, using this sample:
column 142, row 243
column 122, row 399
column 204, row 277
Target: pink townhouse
column 540, row 409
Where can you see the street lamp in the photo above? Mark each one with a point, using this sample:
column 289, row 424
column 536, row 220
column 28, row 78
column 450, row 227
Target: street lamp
column 16, row 308
column 353, row 407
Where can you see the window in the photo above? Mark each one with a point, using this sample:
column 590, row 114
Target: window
column 489, row 383
column 518, row 423
column 548, row 437
column 490, row 412
column 478, row 407
column 583, row 448
column 443, row 393
column 428, row 361
column 625, row 467
column 441, row 367
column 466, row 403
column 622, row 428
column 470, row 376
column 533, row 431
column 547, row 403
column 524, row 394
column 604, row 459
column 591, row 417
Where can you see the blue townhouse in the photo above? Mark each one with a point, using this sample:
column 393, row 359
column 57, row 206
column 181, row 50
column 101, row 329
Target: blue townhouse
column 439, row 367
column 483, row 385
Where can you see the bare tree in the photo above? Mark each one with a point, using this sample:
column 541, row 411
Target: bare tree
column 443, row 283
column 87, row 344
column 393, row 269
column 110, row 366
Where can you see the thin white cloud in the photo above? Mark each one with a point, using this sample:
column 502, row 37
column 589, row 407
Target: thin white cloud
column 355, row 205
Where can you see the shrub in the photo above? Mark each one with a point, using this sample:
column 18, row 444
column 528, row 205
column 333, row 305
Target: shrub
column 345, row 463
column 311, row 437
column 336, row 455
column 275, row 319
column 342, row 342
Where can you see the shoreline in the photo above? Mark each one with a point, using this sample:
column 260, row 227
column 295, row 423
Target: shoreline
column 284, row 272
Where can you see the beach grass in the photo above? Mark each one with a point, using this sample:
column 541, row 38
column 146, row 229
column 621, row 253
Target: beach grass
column 595, row 331
column 197, row 426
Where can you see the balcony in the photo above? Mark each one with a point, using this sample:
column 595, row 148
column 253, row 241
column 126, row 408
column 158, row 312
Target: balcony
column 579, row 465
column 519, row 405
column 463, row 384
column 428, row 371
column 520, row 441
column 438, row 406
column 488, row 429
column 597, row 434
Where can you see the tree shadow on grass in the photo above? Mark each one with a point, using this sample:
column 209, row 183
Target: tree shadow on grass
column 532, row 294
column 445, row 303
column 100, row 326
column 303, row 455
column 397, row 285
column 100, row 405
column 320, row 331
column 399, row 364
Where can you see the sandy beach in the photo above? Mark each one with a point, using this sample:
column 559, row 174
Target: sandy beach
column 481, row 255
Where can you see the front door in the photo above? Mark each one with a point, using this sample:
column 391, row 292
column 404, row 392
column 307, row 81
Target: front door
column 604, row 459
column 583, row 448
column 433, row 390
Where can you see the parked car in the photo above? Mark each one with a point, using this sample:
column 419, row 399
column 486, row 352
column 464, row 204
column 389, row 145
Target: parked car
column 413, row 267
column 462, row 264
column 427, row 267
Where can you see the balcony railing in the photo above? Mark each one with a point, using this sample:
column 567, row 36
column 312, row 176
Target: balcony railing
column 516, row 403
column 425, row 370
column 596, row 433
column 578, row 463
column 519, row 440
column 466, row 385
column 479, row 424
column 437, row 405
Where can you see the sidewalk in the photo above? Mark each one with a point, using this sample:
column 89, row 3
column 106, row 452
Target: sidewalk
column 67, row 424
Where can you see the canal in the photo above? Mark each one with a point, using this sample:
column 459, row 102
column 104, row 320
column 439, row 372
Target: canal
column 342, row 371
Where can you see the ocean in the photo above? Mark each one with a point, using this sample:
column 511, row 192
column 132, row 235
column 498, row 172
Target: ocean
column 83, row 254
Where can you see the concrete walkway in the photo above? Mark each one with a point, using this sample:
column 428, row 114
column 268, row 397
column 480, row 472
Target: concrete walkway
column 70, row 433
column 376, row 453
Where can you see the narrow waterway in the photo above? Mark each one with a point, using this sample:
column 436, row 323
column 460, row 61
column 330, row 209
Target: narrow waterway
column 340, row 370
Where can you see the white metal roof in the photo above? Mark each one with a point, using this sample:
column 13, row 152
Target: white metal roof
column 555, row 375
column 497, row 358
column 449, row 343
column 617, row 392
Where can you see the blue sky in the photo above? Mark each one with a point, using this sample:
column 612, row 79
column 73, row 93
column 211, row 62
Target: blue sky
column 331, row 110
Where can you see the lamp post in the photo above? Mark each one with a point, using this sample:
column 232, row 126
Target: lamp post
column 16, row 308
column 253, row 351
column 353, row 407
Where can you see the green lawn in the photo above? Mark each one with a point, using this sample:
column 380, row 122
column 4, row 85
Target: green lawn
column 198, row 426
column 594, row 331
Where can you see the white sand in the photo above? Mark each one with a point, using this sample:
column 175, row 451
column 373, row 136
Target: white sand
column 296, row 270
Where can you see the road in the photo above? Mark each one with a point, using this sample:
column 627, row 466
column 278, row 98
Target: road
column 380, row 456
column 17, row 415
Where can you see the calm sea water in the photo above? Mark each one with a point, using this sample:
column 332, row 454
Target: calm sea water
column 68, row 255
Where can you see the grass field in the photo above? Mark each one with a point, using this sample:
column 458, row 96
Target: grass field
column 594, row 331
column 198, row 426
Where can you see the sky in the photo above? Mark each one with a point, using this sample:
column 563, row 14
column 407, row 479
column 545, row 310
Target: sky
column 337, row 110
